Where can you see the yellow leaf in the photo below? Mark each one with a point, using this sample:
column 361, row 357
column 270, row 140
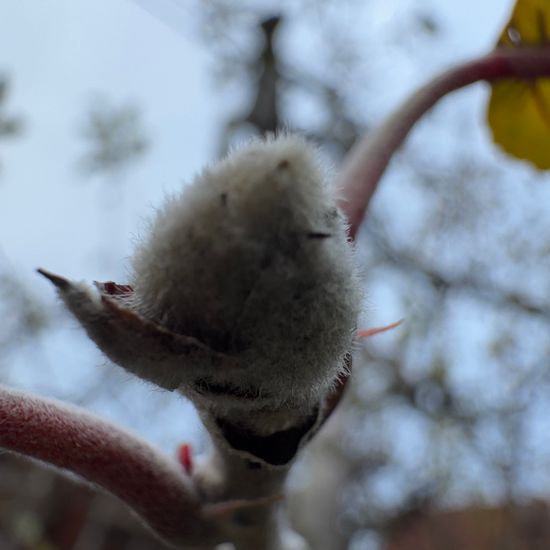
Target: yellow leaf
column 519, row 117
column 519, row 110
column 529, row 23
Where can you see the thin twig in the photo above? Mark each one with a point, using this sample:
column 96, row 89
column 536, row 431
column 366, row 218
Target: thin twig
column 364, row 166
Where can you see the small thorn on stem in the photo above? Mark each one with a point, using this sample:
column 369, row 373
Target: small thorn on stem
column 58, row 281
column 377, row 330
column 185, row 458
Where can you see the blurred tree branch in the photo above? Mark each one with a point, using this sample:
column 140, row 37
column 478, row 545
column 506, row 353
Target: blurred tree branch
column 10, row 126
column 115, row 136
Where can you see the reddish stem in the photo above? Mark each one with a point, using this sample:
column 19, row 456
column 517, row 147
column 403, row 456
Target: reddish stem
column 366, row 163
column 67, row 437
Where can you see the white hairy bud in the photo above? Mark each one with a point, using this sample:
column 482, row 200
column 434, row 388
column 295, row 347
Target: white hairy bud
column 244, row 297
column 252, row 260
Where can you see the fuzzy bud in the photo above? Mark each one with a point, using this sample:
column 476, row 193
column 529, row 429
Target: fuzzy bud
column 244, row 297
column 252, row 260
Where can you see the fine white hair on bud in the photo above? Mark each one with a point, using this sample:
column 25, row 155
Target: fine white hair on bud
column 252, row 261
column 244, row 297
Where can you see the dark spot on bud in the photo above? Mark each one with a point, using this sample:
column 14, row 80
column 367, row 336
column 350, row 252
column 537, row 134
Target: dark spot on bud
column 223, row 199
column 266, row 260
column 318, row 235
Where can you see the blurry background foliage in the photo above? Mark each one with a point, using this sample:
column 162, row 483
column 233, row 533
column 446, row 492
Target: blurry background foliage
column 114, row 137
column 444, row 438
column 10, row 126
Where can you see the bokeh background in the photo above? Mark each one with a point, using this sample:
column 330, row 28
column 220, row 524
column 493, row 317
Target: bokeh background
column 107, row 107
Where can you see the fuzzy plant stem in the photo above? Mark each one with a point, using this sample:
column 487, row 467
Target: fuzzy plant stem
column 70, row 438
column 364, row 166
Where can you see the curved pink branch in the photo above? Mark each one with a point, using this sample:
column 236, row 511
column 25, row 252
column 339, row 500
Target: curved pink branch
column 367, row 161
column 146, row 480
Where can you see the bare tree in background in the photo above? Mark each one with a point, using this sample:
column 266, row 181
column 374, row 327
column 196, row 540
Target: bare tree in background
column 21, row 311
column 10, row 126
column 115, row 138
